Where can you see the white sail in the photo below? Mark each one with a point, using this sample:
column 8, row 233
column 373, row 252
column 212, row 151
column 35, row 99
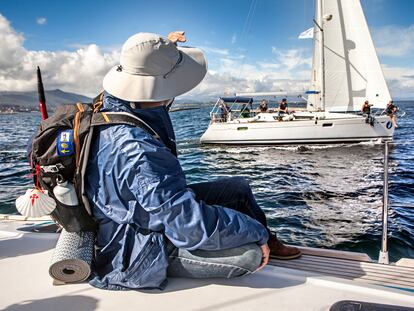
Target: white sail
column 315, row 100
column 353, row 73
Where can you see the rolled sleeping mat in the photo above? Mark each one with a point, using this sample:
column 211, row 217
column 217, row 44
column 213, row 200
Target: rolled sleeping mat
column 71, row 261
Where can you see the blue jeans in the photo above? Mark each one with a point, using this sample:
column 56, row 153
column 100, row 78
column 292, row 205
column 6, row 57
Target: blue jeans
column 234, row 193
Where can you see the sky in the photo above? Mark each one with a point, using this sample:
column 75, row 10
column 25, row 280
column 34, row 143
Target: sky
column 250, row 45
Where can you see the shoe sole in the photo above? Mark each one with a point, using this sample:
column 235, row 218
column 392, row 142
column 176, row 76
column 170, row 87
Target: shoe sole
column 286, row 257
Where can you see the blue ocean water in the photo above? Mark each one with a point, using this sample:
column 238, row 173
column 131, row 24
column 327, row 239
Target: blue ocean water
column 324, row 196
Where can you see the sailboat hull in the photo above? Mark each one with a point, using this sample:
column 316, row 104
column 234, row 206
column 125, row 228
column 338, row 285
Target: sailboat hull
column 337, row 128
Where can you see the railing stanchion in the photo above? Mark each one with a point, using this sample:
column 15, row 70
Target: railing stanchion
column 383, row 254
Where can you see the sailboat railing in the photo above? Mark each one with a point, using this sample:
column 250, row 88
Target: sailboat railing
column 212, row 112
column 383, row 254
column 234, row 109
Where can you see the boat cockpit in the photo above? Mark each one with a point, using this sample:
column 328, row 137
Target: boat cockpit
column 247, row 110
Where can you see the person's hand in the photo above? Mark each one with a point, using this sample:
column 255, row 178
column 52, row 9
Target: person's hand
column 177, row 36
column 265, row 256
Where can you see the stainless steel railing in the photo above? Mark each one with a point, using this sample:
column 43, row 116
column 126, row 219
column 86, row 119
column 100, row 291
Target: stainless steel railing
column 383, row 254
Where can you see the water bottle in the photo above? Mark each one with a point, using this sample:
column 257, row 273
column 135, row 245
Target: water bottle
column 65, row 193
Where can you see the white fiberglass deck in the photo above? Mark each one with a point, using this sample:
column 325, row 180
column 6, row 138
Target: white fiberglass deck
column 26, row 285
column 365, row 272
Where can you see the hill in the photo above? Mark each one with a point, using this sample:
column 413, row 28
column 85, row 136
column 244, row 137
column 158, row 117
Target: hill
column 29, row 100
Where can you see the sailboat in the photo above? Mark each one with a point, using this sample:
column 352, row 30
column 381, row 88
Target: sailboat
column 345, row 73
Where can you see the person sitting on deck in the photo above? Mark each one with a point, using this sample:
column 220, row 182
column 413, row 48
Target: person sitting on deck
column 244, row 111
column 283, row 109
column 151, row 223
column 391, row 111
column 263, row 105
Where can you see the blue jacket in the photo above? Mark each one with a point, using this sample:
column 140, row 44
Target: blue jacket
column 140, row 198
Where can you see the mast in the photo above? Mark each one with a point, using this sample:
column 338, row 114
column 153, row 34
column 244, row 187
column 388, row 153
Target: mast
column 322, row 53
column 319, row 53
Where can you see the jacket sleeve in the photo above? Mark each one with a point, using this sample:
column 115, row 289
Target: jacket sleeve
column 158, row 183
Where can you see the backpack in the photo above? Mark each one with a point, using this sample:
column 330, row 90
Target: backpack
column 60, row 150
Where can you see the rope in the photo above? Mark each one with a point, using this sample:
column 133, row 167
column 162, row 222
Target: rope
column 249, row 19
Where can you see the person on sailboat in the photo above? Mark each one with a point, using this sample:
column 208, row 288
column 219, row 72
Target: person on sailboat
column 391, row 111
column 366, row 110
column 225, row 110
column 244, row 111
column 283, row 109
column 151, row 223
column 263, row 105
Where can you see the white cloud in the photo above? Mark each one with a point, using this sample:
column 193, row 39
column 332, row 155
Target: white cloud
column 394, row 41
column 292, row 58
column 289, row 71
column 216, row 84
column 400, row 81
column 11, row 43
column 80, row 71
column 41, row 20
column 233, row 39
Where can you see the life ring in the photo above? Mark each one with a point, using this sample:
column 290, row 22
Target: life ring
column 389, row 125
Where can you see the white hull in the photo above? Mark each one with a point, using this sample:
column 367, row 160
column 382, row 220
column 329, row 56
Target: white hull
column 323, row 128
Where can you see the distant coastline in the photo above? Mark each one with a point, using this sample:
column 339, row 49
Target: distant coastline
column 24, row 102
column 15, row 109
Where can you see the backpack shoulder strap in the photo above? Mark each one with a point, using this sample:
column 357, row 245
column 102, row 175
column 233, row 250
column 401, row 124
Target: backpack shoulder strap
column 100, row 119
column 97, row 102
column 113, row 118
column 107, row 118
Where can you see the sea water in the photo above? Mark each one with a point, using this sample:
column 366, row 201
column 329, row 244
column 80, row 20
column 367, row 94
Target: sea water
column 321, row 196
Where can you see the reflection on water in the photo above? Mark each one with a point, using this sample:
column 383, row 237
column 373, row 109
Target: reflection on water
column 307, row 198
column 326, row 196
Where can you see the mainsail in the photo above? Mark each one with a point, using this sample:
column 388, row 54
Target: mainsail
column 353, row 73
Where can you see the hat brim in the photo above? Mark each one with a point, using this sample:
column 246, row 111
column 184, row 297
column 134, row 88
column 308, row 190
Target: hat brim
column 139, row 88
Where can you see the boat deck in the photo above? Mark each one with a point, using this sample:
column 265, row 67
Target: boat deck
column 360, row 271
column 313, row 282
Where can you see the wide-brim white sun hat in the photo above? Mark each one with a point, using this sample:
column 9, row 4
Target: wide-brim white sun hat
column 153, row 68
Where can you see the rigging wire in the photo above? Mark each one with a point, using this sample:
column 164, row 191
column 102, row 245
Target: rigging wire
column 249, row 19
column 244, row 36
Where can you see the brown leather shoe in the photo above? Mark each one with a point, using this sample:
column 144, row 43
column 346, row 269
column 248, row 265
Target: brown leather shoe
column 280, row 251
